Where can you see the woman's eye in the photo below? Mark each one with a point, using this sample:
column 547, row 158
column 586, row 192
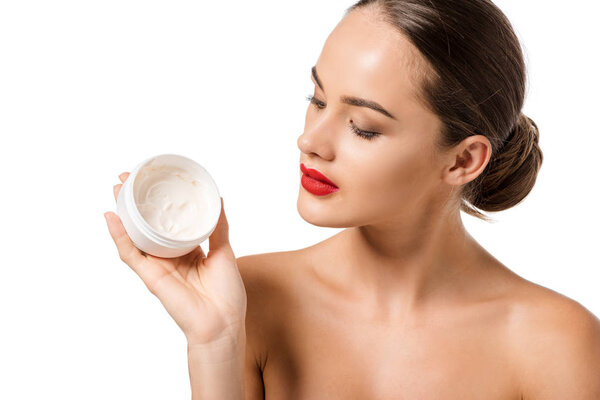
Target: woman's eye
column 357, row 131
column 363, row 134
column 316, row 102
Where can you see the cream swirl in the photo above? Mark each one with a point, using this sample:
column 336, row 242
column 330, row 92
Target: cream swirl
column 171, row 201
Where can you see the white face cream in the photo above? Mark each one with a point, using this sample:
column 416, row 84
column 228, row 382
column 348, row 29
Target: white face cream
column 169, row 204
column 173, row 201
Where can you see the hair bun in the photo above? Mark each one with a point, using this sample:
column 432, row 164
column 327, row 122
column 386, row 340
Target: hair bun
column 512, row 170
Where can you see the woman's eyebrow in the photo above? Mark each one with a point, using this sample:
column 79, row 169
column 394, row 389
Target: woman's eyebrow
column 316, row 77
column 354, row 101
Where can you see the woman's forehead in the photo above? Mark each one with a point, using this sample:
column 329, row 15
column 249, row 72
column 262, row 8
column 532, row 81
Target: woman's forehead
column 366, row 57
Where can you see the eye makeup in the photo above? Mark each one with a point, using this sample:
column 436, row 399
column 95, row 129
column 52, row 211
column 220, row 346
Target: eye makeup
column 368, row 135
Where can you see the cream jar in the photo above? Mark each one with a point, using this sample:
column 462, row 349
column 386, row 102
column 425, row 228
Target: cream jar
column 169, row 204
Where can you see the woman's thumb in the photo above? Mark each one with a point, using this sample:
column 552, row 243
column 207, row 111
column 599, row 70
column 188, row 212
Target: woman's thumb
column 219, row 239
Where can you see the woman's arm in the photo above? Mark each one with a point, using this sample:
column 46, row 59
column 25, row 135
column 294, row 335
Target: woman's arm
column 231, row 368
column 217, row 369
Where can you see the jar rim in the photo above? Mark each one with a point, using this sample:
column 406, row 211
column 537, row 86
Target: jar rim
column 149, row 230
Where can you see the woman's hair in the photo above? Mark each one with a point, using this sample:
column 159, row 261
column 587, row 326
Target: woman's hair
column 474, row 82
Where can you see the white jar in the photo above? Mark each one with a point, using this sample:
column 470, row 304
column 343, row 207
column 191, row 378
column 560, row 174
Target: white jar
column 169, row 204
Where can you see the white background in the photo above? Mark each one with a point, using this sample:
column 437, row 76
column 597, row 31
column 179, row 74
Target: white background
column 90, row 88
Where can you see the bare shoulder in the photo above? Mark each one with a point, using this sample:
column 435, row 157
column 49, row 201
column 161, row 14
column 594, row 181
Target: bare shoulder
column 265, row 276
column 265, row 273
column 265, row 283
column 556, row 345
column 270, row 280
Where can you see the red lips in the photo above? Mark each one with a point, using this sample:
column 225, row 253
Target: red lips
column 313, row 173
column 316, row 183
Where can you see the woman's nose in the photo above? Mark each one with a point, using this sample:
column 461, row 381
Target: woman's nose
column 317, row 140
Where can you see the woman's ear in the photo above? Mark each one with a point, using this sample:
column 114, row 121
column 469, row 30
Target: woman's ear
column 467, row 160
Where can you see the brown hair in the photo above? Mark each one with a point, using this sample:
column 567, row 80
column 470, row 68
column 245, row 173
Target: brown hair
column 475, row 83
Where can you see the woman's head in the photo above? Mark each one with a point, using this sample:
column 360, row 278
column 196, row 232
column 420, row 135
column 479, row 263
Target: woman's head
column 451, row 78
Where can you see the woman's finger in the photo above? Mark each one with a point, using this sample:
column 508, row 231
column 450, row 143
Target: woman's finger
column 156, row 278
column 219, row 239
column 117, row 187
column 130, row 254
column 116, row 190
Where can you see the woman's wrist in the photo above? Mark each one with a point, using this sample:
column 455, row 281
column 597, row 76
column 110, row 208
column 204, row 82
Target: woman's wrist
column 216, row 368
column 228, row 347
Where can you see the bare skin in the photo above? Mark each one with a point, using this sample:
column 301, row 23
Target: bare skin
column 498, row 336
column 403, row 303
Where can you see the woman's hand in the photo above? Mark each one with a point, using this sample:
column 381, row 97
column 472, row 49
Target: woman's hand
column 205, row 295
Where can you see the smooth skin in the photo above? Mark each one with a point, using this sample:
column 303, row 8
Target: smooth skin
column 401, row 304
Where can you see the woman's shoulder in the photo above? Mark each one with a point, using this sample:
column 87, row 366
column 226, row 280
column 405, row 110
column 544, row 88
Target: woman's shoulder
column 536, row 306
column 271, row 283
column 287, row 266
column 271, row 278
column 262, row 267
column 555, row 342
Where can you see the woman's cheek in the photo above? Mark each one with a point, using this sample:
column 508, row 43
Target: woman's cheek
column 373, row 173
column 397, row 177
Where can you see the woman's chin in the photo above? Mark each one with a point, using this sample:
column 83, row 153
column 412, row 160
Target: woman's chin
column 316, row 211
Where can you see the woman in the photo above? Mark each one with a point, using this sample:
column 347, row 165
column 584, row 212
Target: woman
column 416, row 115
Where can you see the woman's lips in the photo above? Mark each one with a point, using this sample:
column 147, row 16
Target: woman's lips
column 315, row 174
column 315, row 182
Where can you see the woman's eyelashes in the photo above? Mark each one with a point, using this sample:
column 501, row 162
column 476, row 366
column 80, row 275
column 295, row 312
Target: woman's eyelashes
column 359, row 132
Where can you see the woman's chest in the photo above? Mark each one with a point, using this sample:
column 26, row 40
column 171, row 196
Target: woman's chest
column 317, row 358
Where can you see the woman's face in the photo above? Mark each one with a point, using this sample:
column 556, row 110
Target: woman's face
column 394, row 174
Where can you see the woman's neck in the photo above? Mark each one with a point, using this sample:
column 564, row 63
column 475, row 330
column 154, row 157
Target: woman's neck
column 395, row 268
